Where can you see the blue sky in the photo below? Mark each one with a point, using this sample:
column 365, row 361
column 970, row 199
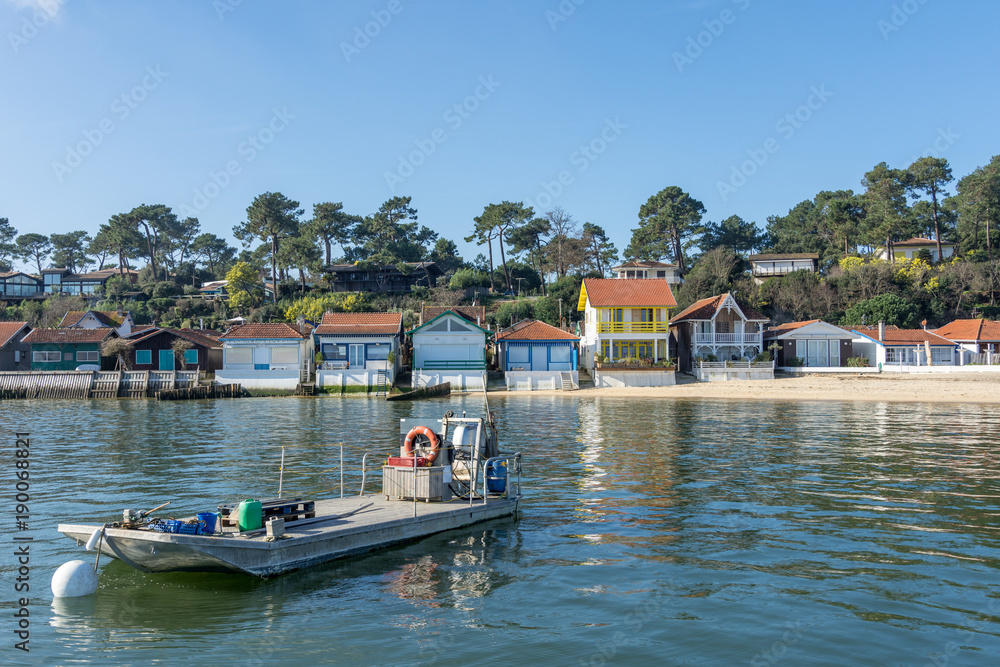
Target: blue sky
column 203, row 105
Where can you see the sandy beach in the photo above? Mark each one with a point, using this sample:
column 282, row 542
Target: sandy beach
column 951, row 388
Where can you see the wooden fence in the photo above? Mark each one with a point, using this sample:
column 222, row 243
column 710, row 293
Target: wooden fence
column 94, row 384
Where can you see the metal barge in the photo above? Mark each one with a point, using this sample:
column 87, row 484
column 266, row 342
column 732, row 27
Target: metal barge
column 450, row 474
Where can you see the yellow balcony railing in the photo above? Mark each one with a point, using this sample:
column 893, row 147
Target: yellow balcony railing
column 632, row 327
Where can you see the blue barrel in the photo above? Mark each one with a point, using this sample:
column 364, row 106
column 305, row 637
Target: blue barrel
column 209, row 519
column 496, row 476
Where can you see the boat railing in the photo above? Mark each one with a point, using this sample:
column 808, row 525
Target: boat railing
column 512, row 486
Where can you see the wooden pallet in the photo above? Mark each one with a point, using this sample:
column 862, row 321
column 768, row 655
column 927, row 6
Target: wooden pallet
column 289, row 509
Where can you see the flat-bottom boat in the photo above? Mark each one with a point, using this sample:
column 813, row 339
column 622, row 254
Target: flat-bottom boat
column 450, row 474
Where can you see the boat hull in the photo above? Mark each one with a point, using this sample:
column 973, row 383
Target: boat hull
column 342, row 527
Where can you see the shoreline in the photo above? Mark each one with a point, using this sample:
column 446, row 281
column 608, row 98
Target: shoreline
column 953, row 388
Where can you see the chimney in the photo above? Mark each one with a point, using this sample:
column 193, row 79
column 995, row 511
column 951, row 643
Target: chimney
column 201, row 323
column 881, row 330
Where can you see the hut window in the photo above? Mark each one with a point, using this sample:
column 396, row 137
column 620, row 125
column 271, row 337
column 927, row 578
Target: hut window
column 284, row 355
column 143, row 357
column 191, row 356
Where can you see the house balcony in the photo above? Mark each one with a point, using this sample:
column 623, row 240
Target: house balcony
column 632, row 327
column 728, row 339
column 769, row 272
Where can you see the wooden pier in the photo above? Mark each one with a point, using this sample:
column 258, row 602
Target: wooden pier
column 169, row 385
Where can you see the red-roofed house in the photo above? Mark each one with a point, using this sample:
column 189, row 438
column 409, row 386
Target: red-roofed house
column 266, row 356
column 67, row 349
column 810, row 344
column 718, row 326
column 626, row 320
column 357, row 346
column 15, row 354
column 536, row 355
column 978, row 340
column 891, row 348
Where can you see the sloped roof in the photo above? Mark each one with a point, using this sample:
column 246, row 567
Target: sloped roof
column 920, row 241
column 453, row 314
column 108, row 318
column 644, row 264
column 534, row 330
column 772, row 257
column 897, row 336
column 187, row 334
column 706, row 309
column 8, row 330
column 266, row 331
column 360, row 323
column 634, row 293
column 11, row 274
column 787, row 328
column 68, row 335
column 971, row 330
column 474, row 314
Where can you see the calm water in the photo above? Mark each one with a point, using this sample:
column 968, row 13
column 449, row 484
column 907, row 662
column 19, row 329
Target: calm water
column 653, row 532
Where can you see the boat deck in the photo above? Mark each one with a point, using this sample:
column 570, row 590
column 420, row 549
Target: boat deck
column 342, row 527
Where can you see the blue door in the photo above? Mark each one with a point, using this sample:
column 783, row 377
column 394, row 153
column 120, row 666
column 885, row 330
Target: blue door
column 166, row 360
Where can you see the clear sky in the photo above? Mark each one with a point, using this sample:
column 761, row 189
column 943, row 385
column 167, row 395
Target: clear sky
column 203, row 105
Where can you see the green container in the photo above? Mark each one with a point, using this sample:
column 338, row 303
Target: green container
column 249, row 515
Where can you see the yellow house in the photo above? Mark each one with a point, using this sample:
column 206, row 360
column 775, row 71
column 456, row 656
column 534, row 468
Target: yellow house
column 625, row 319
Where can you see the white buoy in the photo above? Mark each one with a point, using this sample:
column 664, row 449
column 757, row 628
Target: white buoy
column 74, row 579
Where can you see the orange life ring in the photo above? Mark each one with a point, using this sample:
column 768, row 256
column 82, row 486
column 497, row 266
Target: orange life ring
column 426, row 432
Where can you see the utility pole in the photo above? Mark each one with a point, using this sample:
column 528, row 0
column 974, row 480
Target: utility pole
column 560, row 311
column 519, row 287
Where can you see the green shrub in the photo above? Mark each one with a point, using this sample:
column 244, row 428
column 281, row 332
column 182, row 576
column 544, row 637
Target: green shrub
column 857, row 362
column 796, row 362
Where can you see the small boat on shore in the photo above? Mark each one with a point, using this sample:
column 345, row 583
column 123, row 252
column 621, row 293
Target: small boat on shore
column 449, row 474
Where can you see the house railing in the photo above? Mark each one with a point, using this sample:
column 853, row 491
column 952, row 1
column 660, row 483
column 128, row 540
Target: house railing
column 632, row 327
column 728, row 339
column 780, row 271
column 762, row 365
column 469, row 365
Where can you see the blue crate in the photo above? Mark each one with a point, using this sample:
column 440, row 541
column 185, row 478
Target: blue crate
column 190, row 528
column 174, row 526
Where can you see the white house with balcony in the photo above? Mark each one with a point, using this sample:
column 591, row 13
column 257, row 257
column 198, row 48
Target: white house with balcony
column 642, row 269
column 776, row 265
column 266, row 356
column 717, row 328
column 626, row 333
column 449, row 348
column 358, row 348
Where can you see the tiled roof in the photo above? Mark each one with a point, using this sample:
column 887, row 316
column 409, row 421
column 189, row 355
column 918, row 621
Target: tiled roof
column 534, row 330
column 11, row 274
column 777, row 257
column 474, row 314
column 920, row 241
column 707, row 308
column 108, row 318
column 248, row 331
column 68, row 335
column 971, row 330
column 360, row 323
column 8, row 330
column 638, row 292
column 789, row 326
column 896, row 336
